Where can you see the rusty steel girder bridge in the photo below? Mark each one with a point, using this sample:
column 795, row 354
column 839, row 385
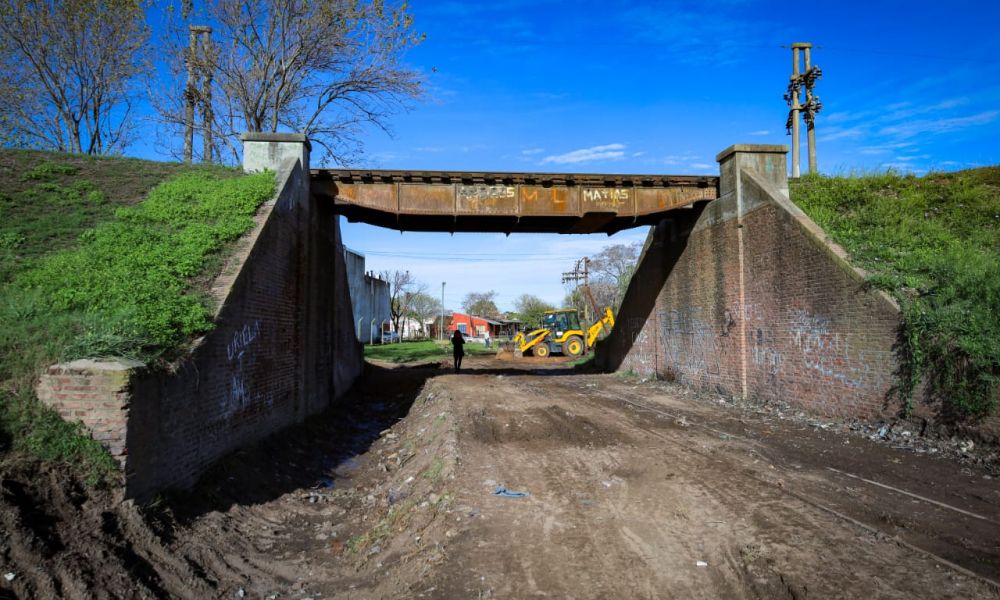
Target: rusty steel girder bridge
column 451, row 201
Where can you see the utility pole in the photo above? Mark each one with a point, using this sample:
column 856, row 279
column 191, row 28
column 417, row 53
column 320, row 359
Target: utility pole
column 802, row 78
column 581, row 271
column 441, row 331
column 206, row 95
column 197, row 60
column 190, row 93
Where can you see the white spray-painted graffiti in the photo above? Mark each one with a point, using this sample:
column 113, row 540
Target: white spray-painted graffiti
column 240, row 349
column 763, row 353
column 689, row 343
column 827, row 352
column 641, row 359
column 242, row 339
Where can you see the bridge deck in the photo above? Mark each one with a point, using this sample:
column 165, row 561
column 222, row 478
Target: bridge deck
column 508, row 202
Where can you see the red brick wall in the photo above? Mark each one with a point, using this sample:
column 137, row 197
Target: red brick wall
column 283, row 348
column 95, row 392
column 799, row 326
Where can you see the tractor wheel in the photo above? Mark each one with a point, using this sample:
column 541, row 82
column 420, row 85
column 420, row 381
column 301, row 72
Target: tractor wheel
column 541, row 350
column 573, row 346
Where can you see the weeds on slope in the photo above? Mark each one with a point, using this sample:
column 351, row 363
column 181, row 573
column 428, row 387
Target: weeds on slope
column 124, row 290
column 934, row 244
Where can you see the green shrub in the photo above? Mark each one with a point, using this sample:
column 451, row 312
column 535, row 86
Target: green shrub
column 48, row 171
column 934, row 244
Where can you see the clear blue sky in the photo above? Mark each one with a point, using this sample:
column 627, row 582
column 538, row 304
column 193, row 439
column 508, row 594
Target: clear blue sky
column 662, row 87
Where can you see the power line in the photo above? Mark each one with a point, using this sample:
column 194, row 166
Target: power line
column 490, row 258
column 907, row 54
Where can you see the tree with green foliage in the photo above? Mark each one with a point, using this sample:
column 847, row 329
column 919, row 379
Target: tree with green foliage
column 326, row 68
column 403, row 287
column 530, row 310
column 423, row 307
column 481, row 304
column 69, row 71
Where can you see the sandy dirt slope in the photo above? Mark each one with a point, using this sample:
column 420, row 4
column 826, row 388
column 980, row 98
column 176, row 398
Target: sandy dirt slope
column 634, row 490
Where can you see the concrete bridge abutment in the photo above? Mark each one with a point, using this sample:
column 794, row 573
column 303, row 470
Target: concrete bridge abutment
column 283, row 347
column 752, row 300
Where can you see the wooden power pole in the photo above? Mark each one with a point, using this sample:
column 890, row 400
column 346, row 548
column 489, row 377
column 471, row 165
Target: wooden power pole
column 206, row 95
column 197, row 63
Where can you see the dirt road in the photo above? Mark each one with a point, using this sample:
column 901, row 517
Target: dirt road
column 633, row 490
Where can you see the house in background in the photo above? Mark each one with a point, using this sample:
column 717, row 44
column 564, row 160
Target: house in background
column 413, row 329
column 476, row 327
column 369, row 299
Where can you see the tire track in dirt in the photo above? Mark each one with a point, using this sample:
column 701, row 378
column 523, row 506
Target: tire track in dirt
column 730, row 460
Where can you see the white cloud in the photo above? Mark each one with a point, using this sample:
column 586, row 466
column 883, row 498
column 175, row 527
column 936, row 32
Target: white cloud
column 532, row 151
column 944, row 125
column 676, row 159
column 605, row 152
column 760, row 132
column 702, row 166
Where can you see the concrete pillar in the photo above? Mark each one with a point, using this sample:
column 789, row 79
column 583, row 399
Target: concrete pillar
column 267, row 151
column 769, row 160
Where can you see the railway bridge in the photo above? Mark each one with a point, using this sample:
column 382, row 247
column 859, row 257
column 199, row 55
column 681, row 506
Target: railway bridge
column 509, row 202
column 736, row 292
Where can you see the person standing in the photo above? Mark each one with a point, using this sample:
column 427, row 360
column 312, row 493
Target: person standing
column 458, row 349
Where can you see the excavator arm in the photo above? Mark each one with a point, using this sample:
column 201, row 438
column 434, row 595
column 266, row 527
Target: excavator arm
column 605, row 323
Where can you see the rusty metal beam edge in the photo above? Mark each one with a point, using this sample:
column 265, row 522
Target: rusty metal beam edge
column 585, row 179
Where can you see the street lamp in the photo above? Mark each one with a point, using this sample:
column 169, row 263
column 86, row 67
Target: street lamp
column 441, row 332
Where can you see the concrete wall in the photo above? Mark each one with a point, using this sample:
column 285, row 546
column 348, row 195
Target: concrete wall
column 747, row 298
column 369, row 298
column 283, row 347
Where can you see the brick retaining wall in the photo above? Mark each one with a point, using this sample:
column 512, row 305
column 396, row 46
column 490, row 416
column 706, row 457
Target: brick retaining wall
column 755, row 303
column 283, row 348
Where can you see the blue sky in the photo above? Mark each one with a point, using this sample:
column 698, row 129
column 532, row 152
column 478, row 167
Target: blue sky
column 662, row 87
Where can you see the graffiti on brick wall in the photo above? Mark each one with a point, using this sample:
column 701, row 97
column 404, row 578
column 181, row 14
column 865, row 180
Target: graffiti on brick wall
column 763, row 352
column 826, row 352
column 642, row 355
column 689, row 342
column 240, row 350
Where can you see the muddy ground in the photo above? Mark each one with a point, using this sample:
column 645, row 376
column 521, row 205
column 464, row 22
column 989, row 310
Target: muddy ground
column 633, row 490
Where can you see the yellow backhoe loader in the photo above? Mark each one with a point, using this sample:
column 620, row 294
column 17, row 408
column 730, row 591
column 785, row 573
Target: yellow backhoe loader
column 560, row 334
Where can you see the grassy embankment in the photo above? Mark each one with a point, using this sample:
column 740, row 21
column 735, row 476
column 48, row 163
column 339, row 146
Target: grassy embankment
column 424, row 350
column 933, row 243
column 88, row 268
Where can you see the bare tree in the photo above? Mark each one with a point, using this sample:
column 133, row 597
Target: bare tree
column 402, row 288
column 326, row 68
column 612, row 271
column 482, row 304
column 70, row 72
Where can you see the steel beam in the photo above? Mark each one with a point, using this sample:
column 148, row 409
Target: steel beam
column 508, row 202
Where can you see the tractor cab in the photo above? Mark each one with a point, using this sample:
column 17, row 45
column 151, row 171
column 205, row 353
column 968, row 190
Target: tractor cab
column 560, row 321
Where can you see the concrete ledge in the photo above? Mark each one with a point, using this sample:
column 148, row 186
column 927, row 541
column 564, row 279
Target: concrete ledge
column 95, row 392
column 260, row 136
column 756, row 148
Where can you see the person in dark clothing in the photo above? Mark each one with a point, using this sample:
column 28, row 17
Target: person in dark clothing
column 458, row 349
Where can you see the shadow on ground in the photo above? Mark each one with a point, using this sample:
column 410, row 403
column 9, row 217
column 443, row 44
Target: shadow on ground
column 316, row 454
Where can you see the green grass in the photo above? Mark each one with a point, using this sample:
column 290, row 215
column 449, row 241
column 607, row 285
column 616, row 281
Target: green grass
column 934, row 244
column 405, row 352
column 47, row 199
column 89, row 271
